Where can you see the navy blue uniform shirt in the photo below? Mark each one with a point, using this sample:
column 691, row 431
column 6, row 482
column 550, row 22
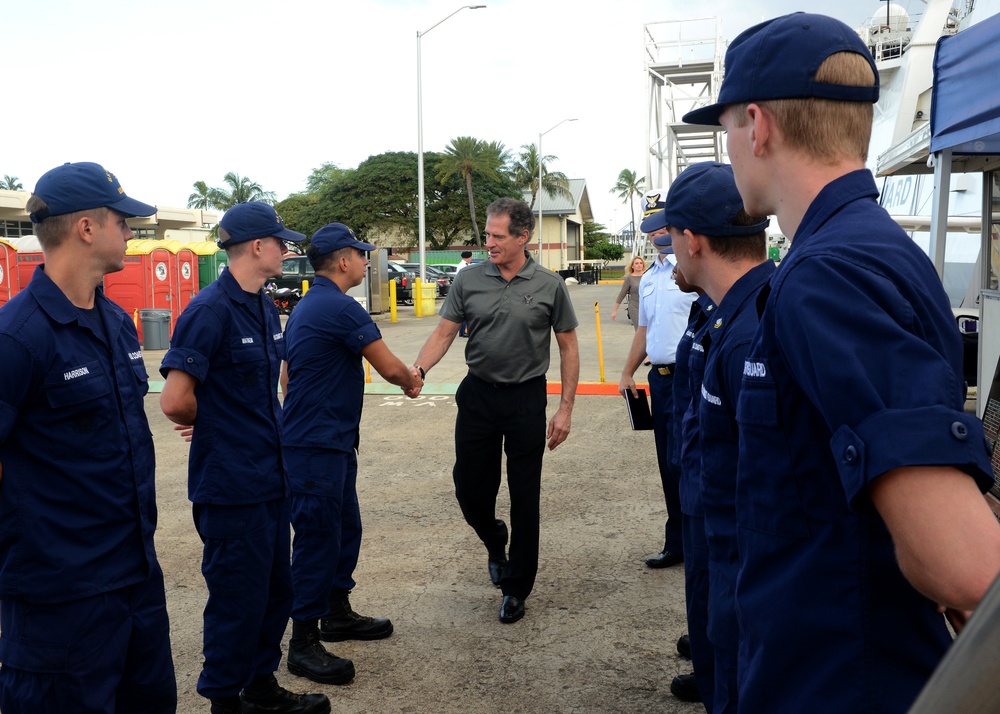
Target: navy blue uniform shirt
column 689, row 389
column 856, row 369
column 326, row 380
column 726, row 342
column 231, row 342
column 681, row 384
column 78, row 498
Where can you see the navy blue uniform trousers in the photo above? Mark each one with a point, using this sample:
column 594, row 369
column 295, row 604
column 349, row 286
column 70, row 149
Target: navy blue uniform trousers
column 696, row 598
column 511, row 418
column 661, row 396
column 104, row 654
column 248, row 573
column 327, row 524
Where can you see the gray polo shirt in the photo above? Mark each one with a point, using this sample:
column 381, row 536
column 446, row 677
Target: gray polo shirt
column 510, row 324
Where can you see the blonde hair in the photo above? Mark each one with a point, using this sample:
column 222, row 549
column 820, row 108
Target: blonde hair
column 827, row 129
column 52, row 231
column 631, row 265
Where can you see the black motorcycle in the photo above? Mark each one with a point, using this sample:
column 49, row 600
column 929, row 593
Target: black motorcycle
column 285, row 299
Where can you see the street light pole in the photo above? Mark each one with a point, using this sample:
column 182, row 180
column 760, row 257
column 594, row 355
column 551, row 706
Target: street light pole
column 539, row 192
column 422, row 220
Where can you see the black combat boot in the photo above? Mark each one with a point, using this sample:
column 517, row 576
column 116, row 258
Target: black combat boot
column 266, row 696
column 342, row 623
column 226, row 705
column 308, row 658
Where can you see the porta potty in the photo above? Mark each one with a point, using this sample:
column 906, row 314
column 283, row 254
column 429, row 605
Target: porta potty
column 146, row 281
column 9, row 282
column 185, row 286
column 29, row 257
column 211, row 261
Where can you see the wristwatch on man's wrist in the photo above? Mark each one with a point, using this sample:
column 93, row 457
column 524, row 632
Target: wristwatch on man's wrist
column 422, row 372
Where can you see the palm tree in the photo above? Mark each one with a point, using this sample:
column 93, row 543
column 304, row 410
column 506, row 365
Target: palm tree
column 11, row 183
column 203, row 197
column 467, row 156
column 628, row 187
column 242, row 190
column 525, row 171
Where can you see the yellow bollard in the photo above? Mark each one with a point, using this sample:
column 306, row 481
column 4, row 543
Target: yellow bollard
column 600, row 347
column 392, row 301
column 418, row 308
column 305, row 287
column 368, row 373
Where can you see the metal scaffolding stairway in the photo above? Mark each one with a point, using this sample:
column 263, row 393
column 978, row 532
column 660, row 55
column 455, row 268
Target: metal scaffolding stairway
column 684, row 68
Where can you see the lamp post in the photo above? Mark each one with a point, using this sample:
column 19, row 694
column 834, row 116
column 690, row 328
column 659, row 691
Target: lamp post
column 420, row 148
column 539, row 194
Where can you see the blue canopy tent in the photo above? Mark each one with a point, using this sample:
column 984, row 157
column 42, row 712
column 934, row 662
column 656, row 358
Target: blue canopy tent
column 965, row 117
column 965, row 137
column 965, row 108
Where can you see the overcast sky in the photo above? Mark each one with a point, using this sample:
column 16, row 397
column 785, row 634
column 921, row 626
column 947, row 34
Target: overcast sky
column 167, row 93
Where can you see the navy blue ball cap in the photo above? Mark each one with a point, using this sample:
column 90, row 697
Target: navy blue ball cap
column 253, row 220
column 652, row 210
column 81, row 186
column 334, row 236
column 778, row 59
column 704, row 200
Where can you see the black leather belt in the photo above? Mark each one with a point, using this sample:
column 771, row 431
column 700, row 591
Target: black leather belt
column 664, row 369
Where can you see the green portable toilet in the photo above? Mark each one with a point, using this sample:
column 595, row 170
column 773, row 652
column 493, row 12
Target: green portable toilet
column 211, row 260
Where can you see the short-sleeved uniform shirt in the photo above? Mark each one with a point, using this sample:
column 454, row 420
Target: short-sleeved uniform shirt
column 324, row 337
column 726, row 342
column 231, row 342
column 509, row 318
column 77, row 499
column 856, row 369
column 687, row 395
column 663, row 310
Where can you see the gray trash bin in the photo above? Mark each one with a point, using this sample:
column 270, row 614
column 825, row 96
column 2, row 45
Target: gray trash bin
column 155, row 329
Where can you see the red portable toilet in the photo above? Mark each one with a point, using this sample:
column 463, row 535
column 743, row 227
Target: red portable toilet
column 185, row 276
column 29, row 255
column 146, row 280
column 9, row 282
column 128, row 287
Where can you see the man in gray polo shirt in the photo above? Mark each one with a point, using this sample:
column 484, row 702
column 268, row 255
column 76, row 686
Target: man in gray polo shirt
column 512, row 306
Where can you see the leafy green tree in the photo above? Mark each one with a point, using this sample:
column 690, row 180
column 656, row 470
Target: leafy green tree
column 379, row 198
column 608, row 252
column 525, row 173
column 297, row 212
column 326, row 175
column 11, row 183
column 594, row 233
column 627, row 187
column 468, row 157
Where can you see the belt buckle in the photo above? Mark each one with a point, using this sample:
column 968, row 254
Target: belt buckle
column 665, row 371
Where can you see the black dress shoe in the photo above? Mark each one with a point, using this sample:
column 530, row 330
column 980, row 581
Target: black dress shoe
column 664, row 559
column 496, row 570
column 685, row 688
column 684, row 647
column 512, row 609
